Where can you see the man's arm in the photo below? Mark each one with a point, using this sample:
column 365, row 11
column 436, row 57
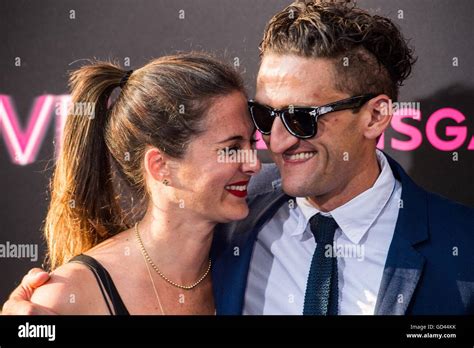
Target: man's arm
column 19, row 302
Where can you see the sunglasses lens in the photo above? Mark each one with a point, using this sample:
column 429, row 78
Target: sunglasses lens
column 301, row 123
column 262, row 118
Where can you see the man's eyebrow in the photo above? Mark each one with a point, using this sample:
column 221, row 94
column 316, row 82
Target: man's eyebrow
column 287, row 106
column 234, row 137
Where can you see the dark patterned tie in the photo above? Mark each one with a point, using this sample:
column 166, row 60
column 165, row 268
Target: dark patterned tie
column 321, row 297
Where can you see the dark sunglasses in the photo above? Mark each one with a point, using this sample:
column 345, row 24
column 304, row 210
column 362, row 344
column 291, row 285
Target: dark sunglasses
column 301, row 122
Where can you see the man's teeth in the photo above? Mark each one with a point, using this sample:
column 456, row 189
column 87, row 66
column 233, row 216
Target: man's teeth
column 236, row 188
column 301, row 155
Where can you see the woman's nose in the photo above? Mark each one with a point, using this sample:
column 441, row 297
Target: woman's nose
column 252, row 165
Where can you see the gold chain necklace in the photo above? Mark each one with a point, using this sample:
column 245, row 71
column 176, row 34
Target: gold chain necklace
column 153, row 284
column 149, row 260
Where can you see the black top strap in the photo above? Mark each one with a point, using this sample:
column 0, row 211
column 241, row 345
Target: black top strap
column 105, row 282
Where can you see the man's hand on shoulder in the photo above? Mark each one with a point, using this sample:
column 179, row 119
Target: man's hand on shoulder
column 19, row 302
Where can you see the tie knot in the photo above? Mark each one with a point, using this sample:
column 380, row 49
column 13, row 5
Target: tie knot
column 323, row 228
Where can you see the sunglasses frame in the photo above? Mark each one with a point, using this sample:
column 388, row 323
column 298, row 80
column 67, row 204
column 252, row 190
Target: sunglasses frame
column 314, row 111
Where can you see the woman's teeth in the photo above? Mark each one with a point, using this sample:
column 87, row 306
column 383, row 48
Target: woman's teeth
column 300, row 156
column 237, row 188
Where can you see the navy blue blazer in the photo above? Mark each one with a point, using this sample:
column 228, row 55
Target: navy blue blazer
column 430, row 263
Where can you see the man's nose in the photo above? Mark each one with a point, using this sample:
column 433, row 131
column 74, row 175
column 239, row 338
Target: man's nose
column 280, row 138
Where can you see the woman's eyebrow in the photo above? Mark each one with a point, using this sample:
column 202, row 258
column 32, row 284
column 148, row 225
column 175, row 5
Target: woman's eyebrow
column 234, row 137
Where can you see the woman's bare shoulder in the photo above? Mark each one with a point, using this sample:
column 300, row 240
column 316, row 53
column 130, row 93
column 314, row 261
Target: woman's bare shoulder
column 72, row 289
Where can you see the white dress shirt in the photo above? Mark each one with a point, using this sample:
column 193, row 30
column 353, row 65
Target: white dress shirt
column 285, row 246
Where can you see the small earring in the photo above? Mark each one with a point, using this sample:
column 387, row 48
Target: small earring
column 166, row 182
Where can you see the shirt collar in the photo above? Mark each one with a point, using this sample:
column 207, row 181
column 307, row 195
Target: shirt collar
column 355, row 217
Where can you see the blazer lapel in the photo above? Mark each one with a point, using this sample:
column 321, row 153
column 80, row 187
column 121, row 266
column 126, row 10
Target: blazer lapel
column 404, row 265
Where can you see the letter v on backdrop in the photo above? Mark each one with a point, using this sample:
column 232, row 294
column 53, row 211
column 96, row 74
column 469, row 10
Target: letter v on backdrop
column 23, row 144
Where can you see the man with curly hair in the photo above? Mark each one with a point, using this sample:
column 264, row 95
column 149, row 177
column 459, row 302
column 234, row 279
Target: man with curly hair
column 336, row 226
column 341, row 229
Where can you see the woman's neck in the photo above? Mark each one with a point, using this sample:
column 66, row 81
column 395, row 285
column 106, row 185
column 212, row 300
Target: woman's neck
column 177, row 243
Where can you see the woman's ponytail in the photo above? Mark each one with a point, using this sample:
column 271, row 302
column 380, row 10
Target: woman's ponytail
column 84, row 208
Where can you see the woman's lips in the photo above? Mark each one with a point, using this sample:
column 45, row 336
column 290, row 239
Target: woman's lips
column 238, row 189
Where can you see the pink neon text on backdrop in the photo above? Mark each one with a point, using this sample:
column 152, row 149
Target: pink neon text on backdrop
column 23, row 146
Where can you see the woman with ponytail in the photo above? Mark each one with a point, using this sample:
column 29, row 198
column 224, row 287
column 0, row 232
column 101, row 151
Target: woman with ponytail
column 138, row 187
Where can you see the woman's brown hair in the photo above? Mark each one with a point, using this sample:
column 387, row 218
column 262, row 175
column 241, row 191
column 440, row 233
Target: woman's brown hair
column 162, row 104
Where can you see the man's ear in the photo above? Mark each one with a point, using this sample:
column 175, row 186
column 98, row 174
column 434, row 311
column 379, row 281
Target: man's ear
column 156, row 164
column 380, row 110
